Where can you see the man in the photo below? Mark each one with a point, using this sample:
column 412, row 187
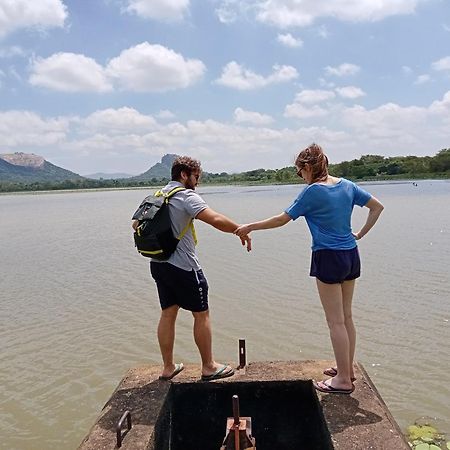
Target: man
column 180, row 280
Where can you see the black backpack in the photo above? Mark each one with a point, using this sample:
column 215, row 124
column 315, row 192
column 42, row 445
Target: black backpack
column 154, row 237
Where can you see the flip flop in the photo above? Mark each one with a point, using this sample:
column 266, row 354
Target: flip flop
column 327, row 389
column 178, row 369
column 332, row 372
column 219, row 373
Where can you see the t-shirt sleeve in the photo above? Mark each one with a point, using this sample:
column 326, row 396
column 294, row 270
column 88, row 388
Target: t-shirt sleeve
column 300, row 206
column 194, row 204
column 361, row 197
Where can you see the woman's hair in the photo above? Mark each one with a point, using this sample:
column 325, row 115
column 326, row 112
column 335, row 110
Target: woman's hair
column 186, row 164
column 316, row 158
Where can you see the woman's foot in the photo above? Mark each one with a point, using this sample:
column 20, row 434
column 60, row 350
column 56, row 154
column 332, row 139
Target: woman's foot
column 327, row 388
column 332, row 372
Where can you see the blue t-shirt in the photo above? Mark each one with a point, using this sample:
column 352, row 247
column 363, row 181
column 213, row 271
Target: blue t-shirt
column 328, row 209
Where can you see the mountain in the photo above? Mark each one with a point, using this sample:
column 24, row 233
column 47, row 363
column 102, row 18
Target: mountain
column 28, row 168
column 108, row 176
column 159, row 171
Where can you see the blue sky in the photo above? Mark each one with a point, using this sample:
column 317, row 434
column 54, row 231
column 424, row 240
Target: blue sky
column 113, row 85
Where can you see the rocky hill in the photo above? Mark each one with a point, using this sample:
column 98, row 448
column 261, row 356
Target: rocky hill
column 159, row 171
column 29, row 168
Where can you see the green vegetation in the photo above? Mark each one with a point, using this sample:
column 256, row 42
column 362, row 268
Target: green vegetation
column 424, row 435
column 368, row 167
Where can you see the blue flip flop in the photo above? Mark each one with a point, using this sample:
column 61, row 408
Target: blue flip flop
column 178, row 369
column 219, row 373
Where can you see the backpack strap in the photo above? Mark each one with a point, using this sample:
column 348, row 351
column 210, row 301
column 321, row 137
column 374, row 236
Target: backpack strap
column 190, row 224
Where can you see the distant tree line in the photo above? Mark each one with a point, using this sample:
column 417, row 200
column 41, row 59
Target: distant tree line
column 368, row 167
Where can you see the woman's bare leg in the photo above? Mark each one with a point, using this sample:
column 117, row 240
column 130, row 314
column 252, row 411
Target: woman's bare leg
column 347, row 297
column 332, row 302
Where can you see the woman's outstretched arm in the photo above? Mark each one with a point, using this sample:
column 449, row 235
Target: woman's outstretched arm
column 375, row 209
column 271, row 222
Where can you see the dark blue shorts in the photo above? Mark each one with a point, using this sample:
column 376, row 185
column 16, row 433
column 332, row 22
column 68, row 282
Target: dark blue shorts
column 186, row 288
column 335, row 266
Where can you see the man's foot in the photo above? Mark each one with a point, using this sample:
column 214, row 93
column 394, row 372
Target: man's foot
column 325, row 387
column 224, row 371
column 169, row 375
column 332, row 372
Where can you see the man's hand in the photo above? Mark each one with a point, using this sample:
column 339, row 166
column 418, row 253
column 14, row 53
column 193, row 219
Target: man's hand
column 135, row 224
column 356, row 236
column 247, row 240
column 242, row 231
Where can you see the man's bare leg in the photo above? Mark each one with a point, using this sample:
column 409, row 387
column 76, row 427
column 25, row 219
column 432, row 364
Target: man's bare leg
column 166, row 338
column 203, row 340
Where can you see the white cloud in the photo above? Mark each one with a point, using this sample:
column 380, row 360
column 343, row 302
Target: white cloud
column 407, row 70
column 240, row 115
column 289, row 41
column 310, row 96
column 350, row 92
column 165, row 10
column 154, row 68
column 12, row 52
column 287, row 13
column 300, row 111
column 69, row 72
column 342, row 70
column 422, row 79
column 442, row 64
column 165, row 114
column 101, row 142
column 20, row 129
column 238, row 77
column 119, row 121
column 39, row 14
column 323, row 32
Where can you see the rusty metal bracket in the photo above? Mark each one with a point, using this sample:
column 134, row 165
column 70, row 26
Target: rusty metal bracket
column 238, row 432
column 120, row 436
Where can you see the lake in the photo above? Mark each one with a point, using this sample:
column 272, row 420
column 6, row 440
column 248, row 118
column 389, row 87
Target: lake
column 78, row 306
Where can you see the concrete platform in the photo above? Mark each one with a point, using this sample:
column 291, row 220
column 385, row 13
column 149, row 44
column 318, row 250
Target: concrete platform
column 287, row 412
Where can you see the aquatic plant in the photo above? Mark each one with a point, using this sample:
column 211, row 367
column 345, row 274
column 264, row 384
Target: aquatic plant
column 424, row 435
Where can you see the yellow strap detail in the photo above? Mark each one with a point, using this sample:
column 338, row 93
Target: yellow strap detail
column 190, row 224
column 184, row 231
column 148, row 252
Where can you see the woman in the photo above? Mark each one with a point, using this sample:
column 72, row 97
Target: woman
column 327, row 204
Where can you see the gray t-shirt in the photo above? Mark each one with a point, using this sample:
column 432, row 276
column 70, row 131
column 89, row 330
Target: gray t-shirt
column 183, row 207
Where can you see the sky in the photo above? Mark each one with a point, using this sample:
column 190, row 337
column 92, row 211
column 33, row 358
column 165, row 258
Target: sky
column 113, row 85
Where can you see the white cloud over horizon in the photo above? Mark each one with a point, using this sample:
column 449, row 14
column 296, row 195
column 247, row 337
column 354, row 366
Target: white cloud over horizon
column 113, row 133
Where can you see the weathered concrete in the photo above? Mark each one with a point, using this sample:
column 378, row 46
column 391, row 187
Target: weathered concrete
column 360, row 421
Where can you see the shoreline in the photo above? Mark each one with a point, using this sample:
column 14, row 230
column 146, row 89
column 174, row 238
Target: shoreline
column 248, row 184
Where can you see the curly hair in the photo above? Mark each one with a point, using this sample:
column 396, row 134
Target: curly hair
column 316, row 158
column 184, row 164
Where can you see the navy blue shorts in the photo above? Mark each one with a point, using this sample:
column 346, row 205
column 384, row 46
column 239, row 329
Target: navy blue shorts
column 335, row 266
column 186, row 288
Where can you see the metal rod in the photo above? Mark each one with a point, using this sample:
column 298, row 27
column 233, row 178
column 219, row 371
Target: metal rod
column 236, row 410
column 125, row 415
column 242, row 354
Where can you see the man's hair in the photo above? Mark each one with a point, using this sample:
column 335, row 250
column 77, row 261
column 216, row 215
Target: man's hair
column 316, row 158
column 186, row 164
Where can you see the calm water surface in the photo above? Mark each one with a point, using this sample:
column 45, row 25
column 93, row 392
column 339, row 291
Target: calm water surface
column 78, row 307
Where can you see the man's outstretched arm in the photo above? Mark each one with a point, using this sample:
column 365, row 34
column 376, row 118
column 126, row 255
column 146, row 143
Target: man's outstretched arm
column 222, row 223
